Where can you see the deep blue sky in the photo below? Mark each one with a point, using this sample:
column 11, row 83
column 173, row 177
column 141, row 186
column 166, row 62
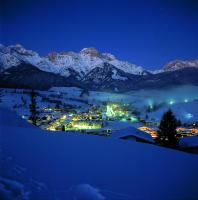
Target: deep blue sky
column 149, row 33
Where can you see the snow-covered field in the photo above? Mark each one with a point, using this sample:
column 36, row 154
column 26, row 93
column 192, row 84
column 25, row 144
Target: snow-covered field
column 36, row 164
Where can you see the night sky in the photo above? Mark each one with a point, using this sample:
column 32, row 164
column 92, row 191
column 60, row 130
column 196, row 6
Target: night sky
column 149, row 33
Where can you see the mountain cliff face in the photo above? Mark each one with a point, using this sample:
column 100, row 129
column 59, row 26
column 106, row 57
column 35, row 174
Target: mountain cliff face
column 179, row 64
column 89, row 68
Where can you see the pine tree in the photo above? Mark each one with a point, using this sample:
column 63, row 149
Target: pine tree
column 33, row 107
column 167, row 129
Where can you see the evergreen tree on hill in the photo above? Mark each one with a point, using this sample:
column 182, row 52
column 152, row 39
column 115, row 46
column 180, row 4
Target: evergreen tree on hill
column 33, row 107
column 167, row 129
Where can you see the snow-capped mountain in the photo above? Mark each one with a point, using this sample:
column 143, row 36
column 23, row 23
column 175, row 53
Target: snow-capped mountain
column 62, row 63
column 180, row 64
column 88, row 68
column 88, row 59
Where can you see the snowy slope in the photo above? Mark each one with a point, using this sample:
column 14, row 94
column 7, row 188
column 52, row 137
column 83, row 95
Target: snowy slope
column 94, row 168
column 9, row 118
column 131, row 131
column 189, row 142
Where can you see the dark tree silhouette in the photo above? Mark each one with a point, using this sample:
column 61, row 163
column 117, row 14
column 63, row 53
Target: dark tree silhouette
column 33, row 107
column 24, row 102
column 167, row 129
column 63, row 128
column 179, row 123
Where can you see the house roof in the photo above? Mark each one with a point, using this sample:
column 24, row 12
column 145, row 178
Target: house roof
column 131, row 131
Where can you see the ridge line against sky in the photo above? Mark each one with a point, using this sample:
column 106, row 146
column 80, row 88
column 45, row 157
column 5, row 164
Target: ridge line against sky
column 149, row 33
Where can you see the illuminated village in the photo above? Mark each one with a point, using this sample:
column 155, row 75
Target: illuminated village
column 112, row 115
column 101, row 120
column 94, row 120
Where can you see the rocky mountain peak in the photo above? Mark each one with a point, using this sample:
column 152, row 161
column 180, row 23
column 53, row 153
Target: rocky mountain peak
column 90, row 51
column 180, row 64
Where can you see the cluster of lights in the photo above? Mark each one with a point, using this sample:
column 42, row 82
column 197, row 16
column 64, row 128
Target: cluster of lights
column 170, row 102
column 82, row 126
column 187, row 130
column 85, row 121
column 114, row 110
column 149, row 130
column 57, row 123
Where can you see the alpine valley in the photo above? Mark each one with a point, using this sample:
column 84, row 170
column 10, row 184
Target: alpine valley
column 90, row 69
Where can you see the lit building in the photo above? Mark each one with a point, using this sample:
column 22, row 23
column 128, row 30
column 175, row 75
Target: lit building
column 149, row 130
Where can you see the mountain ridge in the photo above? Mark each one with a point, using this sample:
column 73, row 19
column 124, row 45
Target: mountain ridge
column 84, row 61
column 89, row 68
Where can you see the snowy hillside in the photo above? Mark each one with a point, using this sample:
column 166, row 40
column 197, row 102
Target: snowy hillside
column 45, row 165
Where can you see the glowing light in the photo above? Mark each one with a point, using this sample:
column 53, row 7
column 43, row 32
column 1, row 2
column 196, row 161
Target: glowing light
column 114, row 109
column 189, row 115
column 58, row 122
column 63, row 117
column 134, row 119
column 171, row 102
column 149, row 130
column 150, row 104
column 82, row 126
column 186, row 100
column 191, row 130
column 110, row 111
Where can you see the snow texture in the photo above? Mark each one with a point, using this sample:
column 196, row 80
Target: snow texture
column 78, row 166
